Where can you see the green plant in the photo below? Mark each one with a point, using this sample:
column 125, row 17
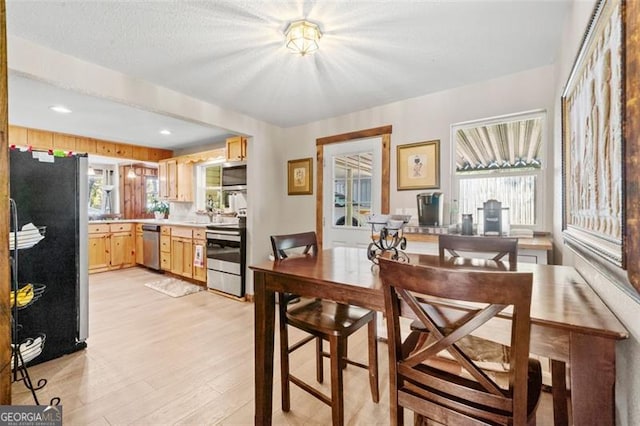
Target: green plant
column 158, row 206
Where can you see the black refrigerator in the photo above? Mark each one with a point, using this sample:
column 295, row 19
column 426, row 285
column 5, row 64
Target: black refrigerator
column 51, row 192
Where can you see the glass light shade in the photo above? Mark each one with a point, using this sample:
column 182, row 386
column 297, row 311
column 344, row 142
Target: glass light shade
column 302, row 37
column 90, row 171
column 131, row 174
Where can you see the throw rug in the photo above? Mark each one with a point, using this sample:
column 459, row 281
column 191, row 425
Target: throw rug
column 174, row 287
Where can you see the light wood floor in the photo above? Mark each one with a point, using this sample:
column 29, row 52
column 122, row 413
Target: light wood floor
column 154, row 359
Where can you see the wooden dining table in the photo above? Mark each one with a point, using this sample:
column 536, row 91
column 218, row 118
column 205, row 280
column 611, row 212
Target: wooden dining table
column 569, row 322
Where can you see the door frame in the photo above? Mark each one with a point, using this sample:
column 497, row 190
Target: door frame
column 385, row 133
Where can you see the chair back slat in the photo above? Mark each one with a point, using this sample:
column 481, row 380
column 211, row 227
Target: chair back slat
column 500, row 247
column 419, row 291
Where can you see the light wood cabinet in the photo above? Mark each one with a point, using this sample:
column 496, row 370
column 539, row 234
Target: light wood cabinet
column 175, row 180
column 111, row 247
column 165, row 248
column 181, row 256
column 40, row 139
column 199, row 240
column 64, row 142
column 122, row 250
column 139, row 245
column 99, row 247
column 236, row 148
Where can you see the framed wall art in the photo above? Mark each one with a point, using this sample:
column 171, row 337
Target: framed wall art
column 593, row 107
column 300, row 176
column 419, row 165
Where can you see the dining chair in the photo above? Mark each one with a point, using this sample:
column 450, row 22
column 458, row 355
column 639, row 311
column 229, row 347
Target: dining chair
column 499, row 248
column 470, row 246
column 322, row 320
column 453, row 304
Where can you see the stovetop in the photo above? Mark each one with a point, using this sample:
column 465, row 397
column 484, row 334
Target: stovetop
column 223, row 226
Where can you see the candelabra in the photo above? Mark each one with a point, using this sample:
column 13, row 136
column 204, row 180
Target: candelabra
column 387, row 236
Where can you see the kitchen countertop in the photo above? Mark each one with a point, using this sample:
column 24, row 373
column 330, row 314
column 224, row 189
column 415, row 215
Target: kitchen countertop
column 169, row 222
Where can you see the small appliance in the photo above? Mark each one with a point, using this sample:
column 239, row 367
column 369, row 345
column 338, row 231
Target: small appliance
column 430, row 208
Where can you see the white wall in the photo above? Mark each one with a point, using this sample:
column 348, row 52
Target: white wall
column 625, row 307
column 418, row 119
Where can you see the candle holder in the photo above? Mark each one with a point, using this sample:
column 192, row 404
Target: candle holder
column 386, row 236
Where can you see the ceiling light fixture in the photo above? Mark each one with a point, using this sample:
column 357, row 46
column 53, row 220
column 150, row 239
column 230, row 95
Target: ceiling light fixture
column 90, row 171
column 302, row 37
column 131, row 174
column 165, row 132
column 60, row 109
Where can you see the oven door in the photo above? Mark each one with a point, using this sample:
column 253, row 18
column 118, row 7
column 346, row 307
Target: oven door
column 224, row 247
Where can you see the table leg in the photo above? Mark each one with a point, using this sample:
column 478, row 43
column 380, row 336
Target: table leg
column 264, row 323
column 593, row 375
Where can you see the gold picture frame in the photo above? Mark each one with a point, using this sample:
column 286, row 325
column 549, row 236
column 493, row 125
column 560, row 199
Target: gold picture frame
column 300, row 176
column 418, row 165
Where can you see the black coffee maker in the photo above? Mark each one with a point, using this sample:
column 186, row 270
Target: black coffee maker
column 430, row 208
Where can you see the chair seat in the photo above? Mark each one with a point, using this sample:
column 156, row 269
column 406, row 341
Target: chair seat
column 323, row 317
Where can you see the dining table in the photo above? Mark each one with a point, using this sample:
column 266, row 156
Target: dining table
column 569, row 322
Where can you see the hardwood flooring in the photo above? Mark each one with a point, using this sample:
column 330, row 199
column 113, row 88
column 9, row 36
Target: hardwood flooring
column 154, row 359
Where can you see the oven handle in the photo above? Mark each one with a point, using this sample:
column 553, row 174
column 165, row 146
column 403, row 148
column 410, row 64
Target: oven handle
column 223, row 236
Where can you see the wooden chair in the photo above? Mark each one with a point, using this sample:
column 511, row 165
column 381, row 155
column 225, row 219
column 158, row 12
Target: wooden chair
column 323, row 320
column 464, row 246
column 467, row 395
column 452, row 244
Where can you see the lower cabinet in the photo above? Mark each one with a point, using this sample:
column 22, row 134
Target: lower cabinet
column 111, row 246
column 200, row 252
column 181, row 256
column 139, row 245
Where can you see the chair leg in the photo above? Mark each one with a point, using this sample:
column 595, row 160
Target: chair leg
column 319, row 361
column 373, row 360
column 284, row 365
column 559, row 393
column 336, row 350
column 345, row 354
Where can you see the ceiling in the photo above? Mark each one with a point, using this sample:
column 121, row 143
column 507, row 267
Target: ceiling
column 231, row 53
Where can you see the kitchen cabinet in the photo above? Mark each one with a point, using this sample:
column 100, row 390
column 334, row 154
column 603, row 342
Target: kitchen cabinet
column 176, row 180
column 199, row 240
column 165, row 248
column 111, row 247
column 182, row 251
column 139, row 245
column 236, row 148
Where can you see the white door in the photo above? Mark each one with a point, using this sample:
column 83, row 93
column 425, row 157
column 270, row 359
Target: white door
column 352, row 184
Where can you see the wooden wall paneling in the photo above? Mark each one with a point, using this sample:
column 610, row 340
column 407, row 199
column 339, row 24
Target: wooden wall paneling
column 106, row 148
column 156, row 154
column 86, row 145
column 122, row 150
column 40, row 139
column 140, row 153
column 5, row 311
column 65, row 142
column 18, row 136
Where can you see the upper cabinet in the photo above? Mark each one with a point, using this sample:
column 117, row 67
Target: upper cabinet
column 237, row 148
column 176, row 180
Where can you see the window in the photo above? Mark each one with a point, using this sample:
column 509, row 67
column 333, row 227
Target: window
column 151, row 191
column 95, row 192
column 209, row 195
column 352, row 189
column 501, row 159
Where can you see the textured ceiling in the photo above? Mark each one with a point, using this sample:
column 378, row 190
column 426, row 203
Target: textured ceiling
column 231, row 53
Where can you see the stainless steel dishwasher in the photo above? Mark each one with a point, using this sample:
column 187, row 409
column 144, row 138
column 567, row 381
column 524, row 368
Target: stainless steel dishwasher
column 151, row 246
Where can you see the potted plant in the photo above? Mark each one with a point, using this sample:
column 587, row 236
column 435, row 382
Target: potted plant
column 159, row 208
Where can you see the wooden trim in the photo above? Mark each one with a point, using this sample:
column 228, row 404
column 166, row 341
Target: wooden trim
column 631, row 147
column 360, row 134
column 5, row 311
column 385, row 133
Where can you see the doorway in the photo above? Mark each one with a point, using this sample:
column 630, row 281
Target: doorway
column 327, row 194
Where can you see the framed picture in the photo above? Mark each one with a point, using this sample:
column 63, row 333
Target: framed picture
column 300, row 176
column 593, row 107
column 419, row 165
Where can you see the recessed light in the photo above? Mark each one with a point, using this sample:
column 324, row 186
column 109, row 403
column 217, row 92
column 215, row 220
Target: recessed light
column 165, row 132
column 60, row 109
